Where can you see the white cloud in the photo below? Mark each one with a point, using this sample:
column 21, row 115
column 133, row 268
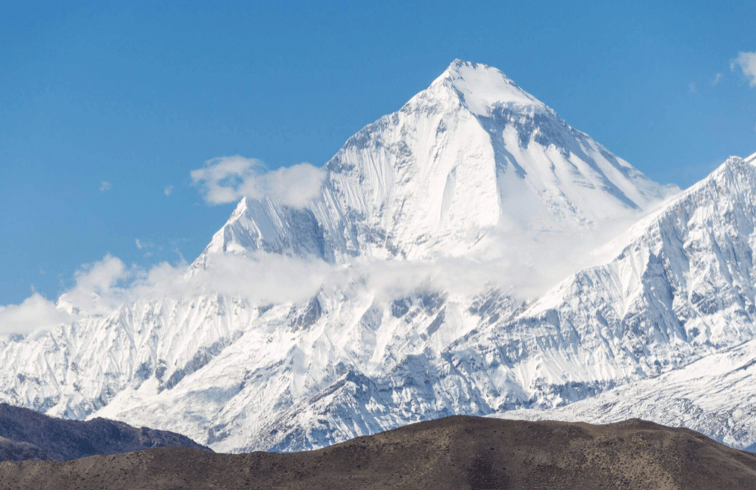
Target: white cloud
column 167, row 190
column 99, row 288
column 692, row 88
column 102, row 275
column 35, row 312
column 105, row 186
column 261, row 278
column 746, row 62
column 139, row 244
column 717, row 79
column 228, row 179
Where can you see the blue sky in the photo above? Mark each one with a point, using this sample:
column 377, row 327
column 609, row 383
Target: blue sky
column 106, row 109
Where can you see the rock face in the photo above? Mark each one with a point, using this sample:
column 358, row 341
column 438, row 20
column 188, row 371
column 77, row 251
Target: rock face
column 28, row 435
column 471, row 172
column 451, row 453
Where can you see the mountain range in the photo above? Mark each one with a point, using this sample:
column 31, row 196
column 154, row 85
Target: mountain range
column 481, row 257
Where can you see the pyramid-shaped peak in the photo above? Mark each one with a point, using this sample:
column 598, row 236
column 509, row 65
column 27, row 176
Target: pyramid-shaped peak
column 483, row 87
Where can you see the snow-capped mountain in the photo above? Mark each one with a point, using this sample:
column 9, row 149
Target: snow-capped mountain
column 472, row 155
column 471, row 172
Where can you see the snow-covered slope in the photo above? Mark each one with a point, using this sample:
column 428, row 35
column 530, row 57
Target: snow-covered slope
column 715, row 395
column 472, row 168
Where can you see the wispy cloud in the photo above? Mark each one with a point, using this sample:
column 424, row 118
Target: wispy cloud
column 167, row 190
column 746, row 62
column 146, row 247
column 228, row 179
column 105, row 186
column 692, row 88
column 717, row 79
column 35, row 312
column 99, row 288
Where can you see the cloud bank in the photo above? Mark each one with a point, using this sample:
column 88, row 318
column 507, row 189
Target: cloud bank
column 261, row 278
column 228, row 179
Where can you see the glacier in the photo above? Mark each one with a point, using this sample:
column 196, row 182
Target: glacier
column 491, row 260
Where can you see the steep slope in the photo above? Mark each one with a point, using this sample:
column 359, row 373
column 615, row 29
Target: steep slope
column 715, row 395
column 294, row 352
column 452, row 453
column 26, row 434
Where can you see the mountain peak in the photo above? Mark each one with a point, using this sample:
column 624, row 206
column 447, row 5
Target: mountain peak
column 470, row 156
column 482, row 87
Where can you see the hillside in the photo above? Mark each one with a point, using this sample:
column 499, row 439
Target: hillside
column 451, row 453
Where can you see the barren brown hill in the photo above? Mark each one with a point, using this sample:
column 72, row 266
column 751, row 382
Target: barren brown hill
column 451, row 453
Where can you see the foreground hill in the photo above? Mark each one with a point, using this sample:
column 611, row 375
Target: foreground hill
column 28, row 435
column 451, row 453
